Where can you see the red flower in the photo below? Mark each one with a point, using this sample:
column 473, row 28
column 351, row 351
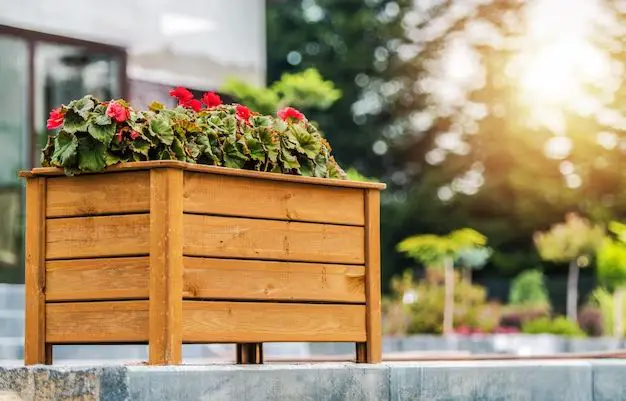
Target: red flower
column 56, row 118
column 134, row 135
column 117, row 112
column 243, row 113
column 290, row 112
column 211, row 99
column 119, row 135
column 181, row 94
column 193, row 104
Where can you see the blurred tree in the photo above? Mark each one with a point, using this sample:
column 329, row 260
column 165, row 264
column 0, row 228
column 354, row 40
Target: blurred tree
column 470, row 115
column 470, row 259
column 443, row 251
column 306, row 89
column 575, row 241
column 528, row 289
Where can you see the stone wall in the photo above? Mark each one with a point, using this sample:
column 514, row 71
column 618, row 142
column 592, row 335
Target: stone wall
column 599, row 380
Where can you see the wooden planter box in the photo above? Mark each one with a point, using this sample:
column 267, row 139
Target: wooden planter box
column 167, row 253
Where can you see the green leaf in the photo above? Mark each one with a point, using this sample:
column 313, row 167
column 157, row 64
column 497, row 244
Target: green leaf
column 102, row 119
column 65, row 146
column 73, row 122
column 156, row 106
column 102, row 133
column 232, row 156
column 230, row 125
column 111, row 159
column 256, row 149
column 91, row 155
column 140, row 146
column 290, row 162
column 305, row 142
column 179, row 151
column 83, row 106
column 161, row 128
column 46, row 153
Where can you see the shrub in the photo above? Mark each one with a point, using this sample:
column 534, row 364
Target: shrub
column 516, row 316
column 97, row 134
column 604, row 301
column 528, row 288
column 425, row 314
column 559, row 326
column 590, row 321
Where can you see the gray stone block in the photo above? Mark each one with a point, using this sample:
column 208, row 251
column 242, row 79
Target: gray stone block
column 502, row 381
column 327, row 382
column 54, row 383
column 609, row 377
column 592, row 344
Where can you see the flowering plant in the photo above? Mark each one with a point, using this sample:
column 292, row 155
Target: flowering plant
column 95, row 134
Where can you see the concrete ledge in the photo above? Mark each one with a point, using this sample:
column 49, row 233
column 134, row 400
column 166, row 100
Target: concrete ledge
column 599, row 380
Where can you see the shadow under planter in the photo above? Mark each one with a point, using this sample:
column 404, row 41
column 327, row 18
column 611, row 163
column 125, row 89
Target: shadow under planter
column 167, row 253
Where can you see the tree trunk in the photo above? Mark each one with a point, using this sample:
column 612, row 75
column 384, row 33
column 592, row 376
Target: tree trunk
column 467, row 275
column 448, row 311
column 618, row 313
column 572, row 291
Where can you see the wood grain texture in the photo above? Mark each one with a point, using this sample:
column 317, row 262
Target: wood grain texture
column 103, row 236
column 262, row 280
column 166, row 266
column 214, row 194
column 230, row 237
column 97, row 279
column 373, row 352
column 89, row 195
column 97, row 322
column 35, row 319
column 147, row 165
column 256, row 322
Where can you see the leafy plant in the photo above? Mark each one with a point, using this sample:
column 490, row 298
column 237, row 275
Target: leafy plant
column 591, row 321
column 574, row 241
column 418, row 306
column 306, row 89
column 528, row 289
column 558, row 326
column 97, row 134
column 516, row 315
column 442, row 251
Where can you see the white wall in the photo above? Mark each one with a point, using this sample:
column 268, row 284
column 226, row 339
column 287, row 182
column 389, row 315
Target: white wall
column 194, row 42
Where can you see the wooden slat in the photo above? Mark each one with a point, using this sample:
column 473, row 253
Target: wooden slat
column 250, row 322
column 261, row 280
column 371, row 352
column 97, row 322
column 97, row 279
column 88, row 237
column 88, row 195
column 232, row 237
column 166, row 266
column 35, row 320
column 147, row 165
column 214, row 194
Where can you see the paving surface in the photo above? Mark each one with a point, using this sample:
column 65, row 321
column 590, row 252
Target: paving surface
column 598, row 380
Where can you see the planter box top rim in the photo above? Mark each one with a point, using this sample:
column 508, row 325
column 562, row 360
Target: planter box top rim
column 147, row 165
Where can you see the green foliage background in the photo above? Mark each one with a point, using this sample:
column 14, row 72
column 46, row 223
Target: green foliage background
column 373, row 51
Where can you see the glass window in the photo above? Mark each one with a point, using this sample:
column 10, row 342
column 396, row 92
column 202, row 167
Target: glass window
column 64, row 73
column 13, row 151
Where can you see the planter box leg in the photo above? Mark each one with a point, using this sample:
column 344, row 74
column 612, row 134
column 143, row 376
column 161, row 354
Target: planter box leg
column 166, row 267
column 371, row 351
column 36, row 351
column 250, row 354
